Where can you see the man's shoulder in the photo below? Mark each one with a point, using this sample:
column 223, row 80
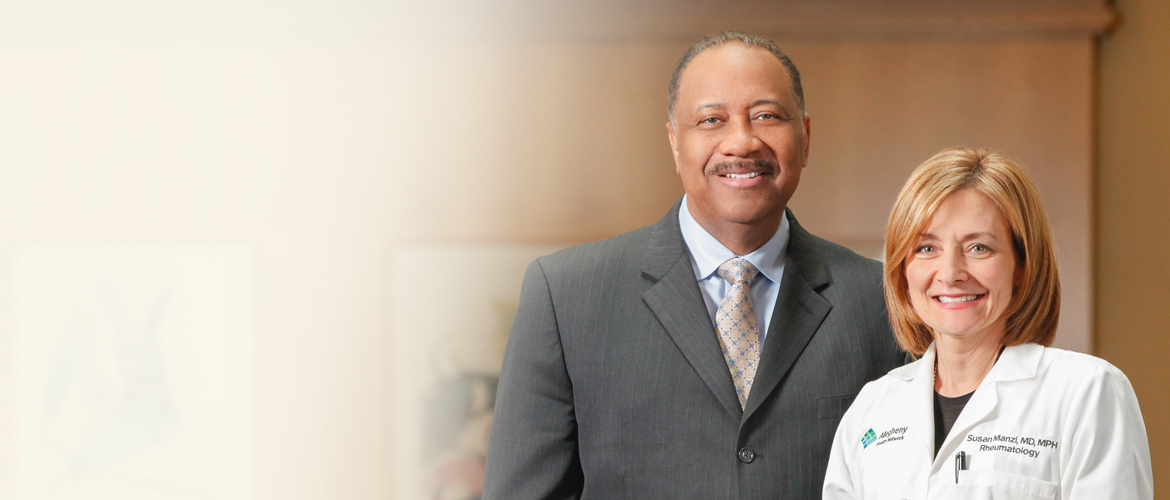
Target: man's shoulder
column 627, row 249
column 841, row 261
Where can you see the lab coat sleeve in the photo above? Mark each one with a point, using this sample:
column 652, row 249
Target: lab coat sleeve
column 840, row 479
column 1109, row 454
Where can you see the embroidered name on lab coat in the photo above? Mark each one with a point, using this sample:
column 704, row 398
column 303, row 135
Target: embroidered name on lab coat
column 1020, row 445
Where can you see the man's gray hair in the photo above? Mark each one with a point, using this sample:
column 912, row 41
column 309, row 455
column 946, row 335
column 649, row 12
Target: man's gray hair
column 717, row 40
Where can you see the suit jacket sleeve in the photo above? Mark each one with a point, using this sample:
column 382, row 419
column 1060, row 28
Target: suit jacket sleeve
column 532, row 446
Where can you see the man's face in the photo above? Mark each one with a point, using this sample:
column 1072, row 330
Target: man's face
column 739, row 139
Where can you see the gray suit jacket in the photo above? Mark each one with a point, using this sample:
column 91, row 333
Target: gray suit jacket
column 614, row 385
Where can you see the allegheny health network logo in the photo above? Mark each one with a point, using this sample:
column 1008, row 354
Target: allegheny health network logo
column 868, row 438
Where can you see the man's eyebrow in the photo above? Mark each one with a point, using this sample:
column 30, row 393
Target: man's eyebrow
column 760, row 102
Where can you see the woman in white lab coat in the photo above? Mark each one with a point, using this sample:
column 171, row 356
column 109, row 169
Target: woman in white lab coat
column 988, row 411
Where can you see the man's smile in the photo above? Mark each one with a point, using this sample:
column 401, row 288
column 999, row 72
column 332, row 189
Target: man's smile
column 743, row 169
column 743, row 173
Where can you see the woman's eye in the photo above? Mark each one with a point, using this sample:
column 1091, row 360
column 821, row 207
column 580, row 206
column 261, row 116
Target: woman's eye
column 979, row 247
column 924, row 249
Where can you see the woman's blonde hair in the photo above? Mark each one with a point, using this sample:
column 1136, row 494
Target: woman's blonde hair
column 1034, row 308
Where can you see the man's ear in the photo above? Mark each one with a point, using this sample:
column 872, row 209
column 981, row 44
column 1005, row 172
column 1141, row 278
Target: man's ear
column 807, row 137
column 673, row 145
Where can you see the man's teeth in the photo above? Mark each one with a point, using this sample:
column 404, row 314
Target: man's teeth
column 965, row 298
column 744, row 176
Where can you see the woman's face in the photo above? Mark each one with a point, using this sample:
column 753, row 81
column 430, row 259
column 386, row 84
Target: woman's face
column 962, row 269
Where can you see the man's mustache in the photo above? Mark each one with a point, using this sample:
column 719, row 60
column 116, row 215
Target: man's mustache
column 737, row 166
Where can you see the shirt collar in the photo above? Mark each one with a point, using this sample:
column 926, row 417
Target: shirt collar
column 707, row 253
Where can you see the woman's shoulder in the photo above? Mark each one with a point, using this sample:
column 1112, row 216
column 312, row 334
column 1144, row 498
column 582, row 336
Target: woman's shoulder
column 1080, row 373
column 877, row 391
column 1061, row 362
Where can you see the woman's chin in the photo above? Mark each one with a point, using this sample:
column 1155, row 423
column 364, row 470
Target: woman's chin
column 968, row 334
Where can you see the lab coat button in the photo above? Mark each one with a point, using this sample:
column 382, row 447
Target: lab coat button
column 746, row 455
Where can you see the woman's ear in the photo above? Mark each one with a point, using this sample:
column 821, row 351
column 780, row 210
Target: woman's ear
column 1018, row 275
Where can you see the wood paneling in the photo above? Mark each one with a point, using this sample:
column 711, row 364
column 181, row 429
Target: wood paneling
column 880, row 109
column 686, row 20
column 1133, row 199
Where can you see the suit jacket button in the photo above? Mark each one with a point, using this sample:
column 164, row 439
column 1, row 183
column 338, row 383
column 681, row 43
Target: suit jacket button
column 746, row 455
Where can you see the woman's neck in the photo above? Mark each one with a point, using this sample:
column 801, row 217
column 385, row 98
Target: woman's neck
column 961, row 364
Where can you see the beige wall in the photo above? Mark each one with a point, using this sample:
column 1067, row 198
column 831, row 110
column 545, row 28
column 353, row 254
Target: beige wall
column 317, row 143
column 1133, row 200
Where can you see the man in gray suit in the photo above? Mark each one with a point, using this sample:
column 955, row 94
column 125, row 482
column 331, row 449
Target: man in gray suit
column 712, row 354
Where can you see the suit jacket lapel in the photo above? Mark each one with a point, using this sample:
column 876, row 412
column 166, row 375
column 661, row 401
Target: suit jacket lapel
column 676, row 301
column 799, row 312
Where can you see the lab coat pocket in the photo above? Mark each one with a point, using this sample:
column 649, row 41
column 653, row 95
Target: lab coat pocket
column 995, row 485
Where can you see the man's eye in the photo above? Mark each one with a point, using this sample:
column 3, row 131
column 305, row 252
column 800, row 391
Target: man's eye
column 767, row 116
column 710, row 120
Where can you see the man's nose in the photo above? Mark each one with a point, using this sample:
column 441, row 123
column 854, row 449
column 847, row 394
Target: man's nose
column 741, row 139
column 952, row 268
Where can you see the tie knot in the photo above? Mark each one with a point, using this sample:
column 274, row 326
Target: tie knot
column 737, row 270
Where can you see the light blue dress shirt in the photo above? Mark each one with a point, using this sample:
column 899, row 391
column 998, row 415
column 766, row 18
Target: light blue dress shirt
column 707, row 254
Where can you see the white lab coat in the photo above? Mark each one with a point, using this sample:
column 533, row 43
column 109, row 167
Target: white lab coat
column 1044, row 424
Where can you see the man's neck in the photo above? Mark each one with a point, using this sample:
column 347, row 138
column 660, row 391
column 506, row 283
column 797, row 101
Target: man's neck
column 744, row 241
column 741, row 238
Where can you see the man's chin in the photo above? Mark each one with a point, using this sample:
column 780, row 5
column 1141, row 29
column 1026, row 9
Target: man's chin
column 752, row 216
column 751, row 209
column 757, row 213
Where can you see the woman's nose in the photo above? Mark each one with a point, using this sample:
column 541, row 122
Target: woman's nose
column 952, row 268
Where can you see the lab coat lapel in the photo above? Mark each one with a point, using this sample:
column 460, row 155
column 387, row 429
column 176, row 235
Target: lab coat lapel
column 677, row 303
column 916, row 402
column 1015, row 363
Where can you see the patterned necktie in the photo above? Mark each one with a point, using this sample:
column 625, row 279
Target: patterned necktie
column 739, row 335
